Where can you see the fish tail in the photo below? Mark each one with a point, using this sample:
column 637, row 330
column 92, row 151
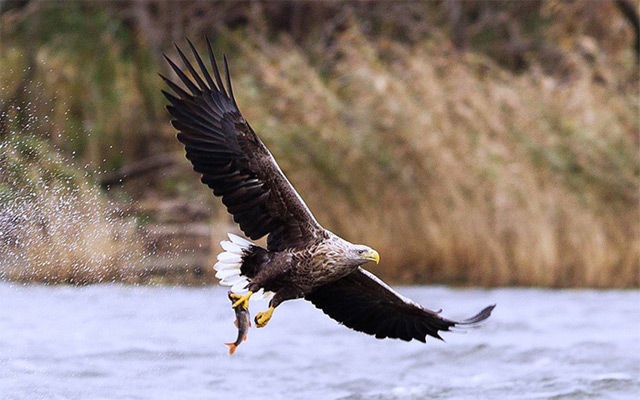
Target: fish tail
column 232, row 347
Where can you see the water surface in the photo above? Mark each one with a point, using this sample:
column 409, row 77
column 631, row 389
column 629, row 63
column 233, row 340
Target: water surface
column 107, row 342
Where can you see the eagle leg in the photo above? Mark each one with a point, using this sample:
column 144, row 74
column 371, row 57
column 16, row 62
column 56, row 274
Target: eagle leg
column 284, row 294
column 263, row 317
column 244, row 300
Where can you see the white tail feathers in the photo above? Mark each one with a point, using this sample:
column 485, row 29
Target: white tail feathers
column 229, row 265
column 230, row 261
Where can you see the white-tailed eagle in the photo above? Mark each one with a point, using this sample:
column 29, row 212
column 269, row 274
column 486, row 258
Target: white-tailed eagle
column 302, row 259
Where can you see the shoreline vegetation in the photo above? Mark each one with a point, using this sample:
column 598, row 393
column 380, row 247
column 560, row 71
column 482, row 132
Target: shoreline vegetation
column 484, row 144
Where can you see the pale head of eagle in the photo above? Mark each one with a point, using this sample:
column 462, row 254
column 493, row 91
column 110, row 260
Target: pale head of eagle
column 365, row 253
column 357, row 254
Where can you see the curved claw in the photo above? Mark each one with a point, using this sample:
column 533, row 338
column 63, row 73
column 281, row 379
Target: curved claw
column 262, row 318
column 244, row 300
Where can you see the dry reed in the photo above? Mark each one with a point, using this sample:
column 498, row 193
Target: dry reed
column 455, row 169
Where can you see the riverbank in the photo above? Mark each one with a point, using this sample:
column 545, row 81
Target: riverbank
column 489, row 164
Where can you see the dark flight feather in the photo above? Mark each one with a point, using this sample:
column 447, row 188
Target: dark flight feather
column 232, row 159
column 364, row 303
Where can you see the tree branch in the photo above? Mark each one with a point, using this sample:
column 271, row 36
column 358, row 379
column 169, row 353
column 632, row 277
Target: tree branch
column 139, row 168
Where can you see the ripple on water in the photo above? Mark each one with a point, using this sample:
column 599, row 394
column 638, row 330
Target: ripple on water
column 153, row 343
column 616, row 382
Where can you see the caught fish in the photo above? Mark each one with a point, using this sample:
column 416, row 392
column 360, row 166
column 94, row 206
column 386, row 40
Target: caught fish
column 242, row 322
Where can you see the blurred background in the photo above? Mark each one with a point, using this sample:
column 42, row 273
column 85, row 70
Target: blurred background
column 489, row 143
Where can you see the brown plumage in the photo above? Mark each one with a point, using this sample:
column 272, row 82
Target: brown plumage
column 302, row 259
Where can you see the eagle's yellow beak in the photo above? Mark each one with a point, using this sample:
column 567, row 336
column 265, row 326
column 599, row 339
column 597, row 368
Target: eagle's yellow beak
column 372, row 255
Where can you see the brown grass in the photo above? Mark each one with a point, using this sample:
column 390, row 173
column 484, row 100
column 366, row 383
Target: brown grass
column 454, row 168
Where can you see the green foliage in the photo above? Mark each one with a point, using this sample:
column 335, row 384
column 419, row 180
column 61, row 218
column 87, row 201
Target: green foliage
column 97, row 80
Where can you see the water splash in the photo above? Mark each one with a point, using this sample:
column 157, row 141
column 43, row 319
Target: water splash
column 55, row 226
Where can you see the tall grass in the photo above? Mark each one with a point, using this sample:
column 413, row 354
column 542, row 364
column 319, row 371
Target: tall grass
column 454, row 168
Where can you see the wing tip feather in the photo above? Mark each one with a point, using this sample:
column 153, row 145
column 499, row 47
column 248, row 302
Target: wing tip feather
column 479, row 317
column 228, row 76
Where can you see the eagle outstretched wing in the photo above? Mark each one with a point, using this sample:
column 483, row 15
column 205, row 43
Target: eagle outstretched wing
column 362, row 302
column 232, row 159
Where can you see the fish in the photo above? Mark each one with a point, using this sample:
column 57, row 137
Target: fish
column 242, row 322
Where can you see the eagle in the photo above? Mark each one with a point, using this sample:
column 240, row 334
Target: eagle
column 301, row 259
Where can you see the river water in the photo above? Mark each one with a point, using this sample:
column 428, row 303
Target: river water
column 124, row 342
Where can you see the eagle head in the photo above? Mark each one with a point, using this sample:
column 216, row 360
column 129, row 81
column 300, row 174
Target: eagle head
column 361, row 254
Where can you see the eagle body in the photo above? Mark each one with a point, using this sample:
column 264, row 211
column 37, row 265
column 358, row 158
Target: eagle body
column 301, row 269
column 302, row 259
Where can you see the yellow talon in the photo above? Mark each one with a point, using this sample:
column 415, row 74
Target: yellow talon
column 263, row 317
column 244, row 300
